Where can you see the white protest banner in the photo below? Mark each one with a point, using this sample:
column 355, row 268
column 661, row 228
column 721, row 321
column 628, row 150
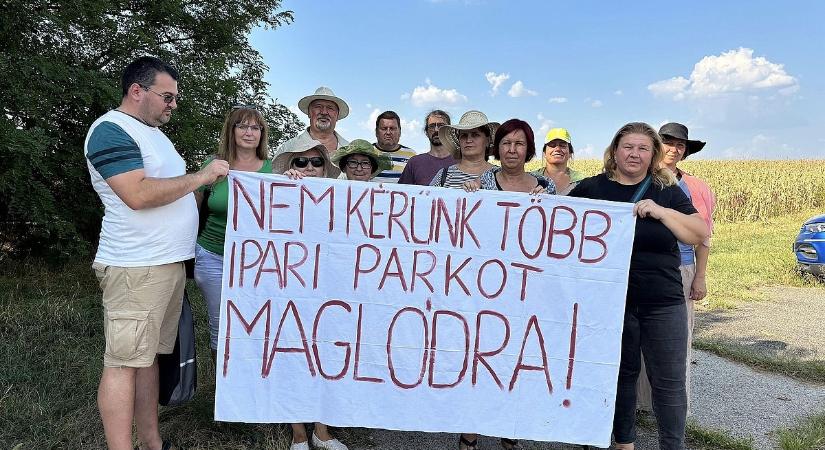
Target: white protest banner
column 418, row 308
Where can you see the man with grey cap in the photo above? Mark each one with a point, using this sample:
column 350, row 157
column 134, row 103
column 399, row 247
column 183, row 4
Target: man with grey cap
column 324, row 109
column 694, row 259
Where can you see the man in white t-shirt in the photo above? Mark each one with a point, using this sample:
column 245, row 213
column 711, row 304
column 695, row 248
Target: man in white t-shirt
column 149, row 227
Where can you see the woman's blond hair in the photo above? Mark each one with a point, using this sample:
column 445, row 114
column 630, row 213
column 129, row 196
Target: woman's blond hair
column 661, row 176
column 226, row 148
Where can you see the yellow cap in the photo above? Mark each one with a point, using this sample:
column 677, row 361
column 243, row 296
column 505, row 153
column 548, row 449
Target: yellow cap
column 558, row 133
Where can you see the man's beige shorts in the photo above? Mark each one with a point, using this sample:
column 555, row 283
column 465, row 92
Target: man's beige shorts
column 141, row 308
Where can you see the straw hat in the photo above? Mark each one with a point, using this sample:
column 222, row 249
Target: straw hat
column 469, row 120
column 324, row 93
column 299, row 144
column 380, row 161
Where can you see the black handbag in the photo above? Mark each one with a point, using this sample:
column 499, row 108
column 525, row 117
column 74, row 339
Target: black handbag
column 178, row 371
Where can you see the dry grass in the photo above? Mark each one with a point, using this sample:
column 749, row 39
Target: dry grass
column 749, row 190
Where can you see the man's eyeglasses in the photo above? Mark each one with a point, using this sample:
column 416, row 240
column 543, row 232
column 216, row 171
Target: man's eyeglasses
column 244, row 127
column 302, row 161
column 167, row 98
column 353, row 164
column 435, row 126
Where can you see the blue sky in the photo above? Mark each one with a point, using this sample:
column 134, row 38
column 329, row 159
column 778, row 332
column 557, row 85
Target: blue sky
column 747, row 77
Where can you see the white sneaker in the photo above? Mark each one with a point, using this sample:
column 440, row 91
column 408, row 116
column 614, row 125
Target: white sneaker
column 299, row 446
column 332, row 444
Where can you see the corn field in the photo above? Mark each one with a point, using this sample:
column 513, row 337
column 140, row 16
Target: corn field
column 749, row 190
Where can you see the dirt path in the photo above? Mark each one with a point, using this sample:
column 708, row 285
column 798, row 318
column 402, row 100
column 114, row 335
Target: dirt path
column 791, row 323
column 727, row 396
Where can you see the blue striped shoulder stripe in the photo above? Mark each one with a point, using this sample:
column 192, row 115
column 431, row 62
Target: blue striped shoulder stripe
column 112, row 151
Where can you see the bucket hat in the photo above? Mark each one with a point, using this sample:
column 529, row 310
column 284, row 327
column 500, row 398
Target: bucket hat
column 380, row 161
column 324, row 93
column 679, row 131
column 469, row 120
column 299, row 144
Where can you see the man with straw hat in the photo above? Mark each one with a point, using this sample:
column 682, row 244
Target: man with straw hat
column 324, row 110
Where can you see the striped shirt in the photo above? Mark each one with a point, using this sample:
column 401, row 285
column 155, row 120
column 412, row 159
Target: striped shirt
column 399, row 160
column 455, row 177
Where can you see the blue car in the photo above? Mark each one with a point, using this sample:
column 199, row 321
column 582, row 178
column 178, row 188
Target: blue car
column 810, row 246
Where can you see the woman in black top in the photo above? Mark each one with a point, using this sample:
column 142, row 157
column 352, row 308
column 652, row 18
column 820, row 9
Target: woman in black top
column 655, row 313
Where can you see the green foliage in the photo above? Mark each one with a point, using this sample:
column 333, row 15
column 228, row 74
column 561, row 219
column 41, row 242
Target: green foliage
column 715, row 440
column 748, row 255
column 61, row 64
column 809, row 435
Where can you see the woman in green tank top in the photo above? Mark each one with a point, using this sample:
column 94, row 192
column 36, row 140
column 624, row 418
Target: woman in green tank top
column 244, row 145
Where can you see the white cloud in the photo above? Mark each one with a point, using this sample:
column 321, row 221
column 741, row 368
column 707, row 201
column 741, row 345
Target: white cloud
column 518, row 90
column 733, row 71
column 496, row 80
column 545, row 126
column 558, row 100
column 675, row 86
column 369, row 122
column 411, row 126
column 760, row 146
column 618, row 92
column 587, row 151
column 434, row 95
column 595, row 103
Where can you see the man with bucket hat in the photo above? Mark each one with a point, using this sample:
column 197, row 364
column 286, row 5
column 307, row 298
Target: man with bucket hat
column 324, row 110
column 694, row 259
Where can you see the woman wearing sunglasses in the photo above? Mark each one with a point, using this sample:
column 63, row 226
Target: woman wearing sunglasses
column 361, row 161
column 244, row 145
column 299, row 158
column 303, row 157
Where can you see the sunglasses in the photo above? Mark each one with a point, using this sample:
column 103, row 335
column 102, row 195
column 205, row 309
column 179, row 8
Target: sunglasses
column 167, row 98
column 302, row 161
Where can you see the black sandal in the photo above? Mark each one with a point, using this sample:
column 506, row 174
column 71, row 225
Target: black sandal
column 509, row 444
column 471, row 445
column 165, row 445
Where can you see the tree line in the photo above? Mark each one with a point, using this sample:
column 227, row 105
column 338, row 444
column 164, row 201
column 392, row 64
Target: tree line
column 61, row 64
